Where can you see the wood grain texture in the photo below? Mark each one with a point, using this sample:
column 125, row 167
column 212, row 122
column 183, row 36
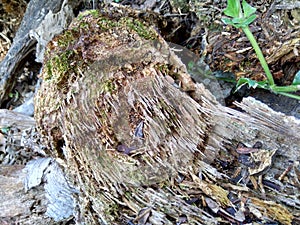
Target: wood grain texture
column 112, row 82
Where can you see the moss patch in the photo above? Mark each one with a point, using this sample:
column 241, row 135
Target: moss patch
column 58, row 67
column 93, row 12
column 139, row 27
column 105, row 23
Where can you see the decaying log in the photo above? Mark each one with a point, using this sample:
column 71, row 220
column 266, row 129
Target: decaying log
column 145, row 145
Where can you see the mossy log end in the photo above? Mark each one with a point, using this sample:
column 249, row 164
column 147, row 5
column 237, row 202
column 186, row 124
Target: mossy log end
column 128, row 136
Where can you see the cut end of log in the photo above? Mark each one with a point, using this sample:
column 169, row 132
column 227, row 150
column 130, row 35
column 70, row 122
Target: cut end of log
column 115, row 108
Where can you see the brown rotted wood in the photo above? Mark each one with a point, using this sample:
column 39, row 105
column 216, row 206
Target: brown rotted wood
column 138, row 145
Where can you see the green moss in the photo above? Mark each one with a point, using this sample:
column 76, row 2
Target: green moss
column 66, row 39
column 182, row 5
column 48, row 70
column 112, row 209
column 106, row 24
column 108, row 86
column 62, row 61
column 84, row 25
column 163, row 68
column 58, row 67
column 139, row 27
column 132, row 24
column 93, row 12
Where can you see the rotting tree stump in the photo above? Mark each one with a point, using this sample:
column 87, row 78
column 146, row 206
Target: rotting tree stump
column 144, row 144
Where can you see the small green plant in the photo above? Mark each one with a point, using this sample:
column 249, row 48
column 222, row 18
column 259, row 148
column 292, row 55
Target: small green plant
column 15, row 95
column 242, row 16
column 4, row 130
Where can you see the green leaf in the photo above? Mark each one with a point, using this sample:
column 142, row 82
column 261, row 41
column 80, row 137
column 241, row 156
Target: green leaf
column 238, row 20
column 251, row 83
column 247, row 9
column 4, row 130
column 296, row 80
column 248, row 20
column 241, row 22
column 233, row 8
column 228, row 21
column 242, row 81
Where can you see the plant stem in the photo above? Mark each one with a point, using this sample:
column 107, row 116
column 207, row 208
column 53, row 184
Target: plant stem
column 289, row 88
column 290, row 95
column 259, row 54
